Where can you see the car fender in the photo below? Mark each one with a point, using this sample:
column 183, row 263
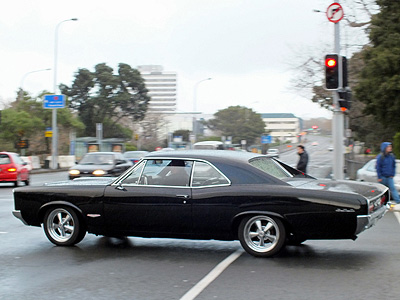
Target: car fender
column 43, row 208
column 238, row 217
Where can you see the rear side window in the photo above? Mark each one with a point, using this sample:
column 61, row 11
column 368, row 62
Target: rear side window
column 4, row 159
column 206, row 175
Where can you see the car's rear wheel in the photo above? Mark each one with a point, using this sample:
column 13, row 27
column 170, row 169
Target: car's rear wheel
column 262, row 236
column 63, row 227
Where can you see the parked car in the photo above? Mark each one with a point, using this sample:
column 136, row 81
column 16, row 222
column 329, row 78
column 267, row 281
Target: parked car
column 208, row 145
column 135, row 156
column 13, row 169
column 368, row 173
column 273, row 152
column 221, row 195
column 98, row 164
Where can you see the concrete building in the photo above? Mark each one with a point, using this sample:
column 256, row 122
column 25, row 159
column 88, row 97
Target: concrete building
column 282, row 126
column 162, row 88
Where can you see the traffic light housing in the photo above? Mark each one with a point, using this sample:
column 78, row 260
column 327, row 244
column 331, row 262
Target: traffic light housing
column 345, row 99
column 332, row 71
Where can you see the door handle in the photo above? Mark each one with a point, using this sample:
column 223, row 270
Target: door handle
column 183, row 196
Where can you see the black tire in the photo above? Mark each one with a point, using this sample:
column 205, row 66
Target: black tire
column 262, row 236
column 16, row 183
column 63, row 227
column 26, row 182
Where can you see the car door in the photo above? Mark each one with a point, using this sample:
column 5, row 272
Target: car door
column 143, row 202
column 213, row 201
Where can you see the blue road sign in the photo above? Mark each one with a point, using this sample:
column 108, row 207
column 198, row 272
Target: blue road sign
column 54, row 101
column 266, row 139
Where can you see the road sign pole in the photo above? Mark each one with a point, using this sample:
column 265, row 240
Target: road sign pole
column 338, row 118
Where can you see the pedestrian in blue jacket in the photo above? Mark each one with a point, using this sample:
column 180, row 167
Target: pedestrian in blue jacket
column 386, row 169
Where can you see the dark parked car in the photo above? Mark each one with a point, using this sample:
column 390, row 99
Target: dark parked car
column 135, row 156
column 100, row 164
column 13, row 169
column 223, row 195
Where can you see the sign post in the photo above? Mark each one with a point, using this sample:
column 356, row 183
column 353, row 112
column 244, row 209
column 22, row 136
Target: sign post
column 53, row 102
column 334, row 14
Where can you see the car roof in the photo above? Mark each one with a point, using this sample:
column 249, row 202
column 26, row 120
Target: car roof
column 234, row 164
column 210, row 155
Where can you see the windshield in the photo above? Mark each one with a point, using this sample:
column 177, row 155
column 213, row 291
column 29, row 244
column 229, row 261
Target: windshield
column 270, row 167
column 98, row 159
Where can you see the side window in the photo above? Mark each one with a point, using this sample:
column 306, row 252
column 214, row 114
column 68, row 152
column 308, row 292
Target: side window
column 4, row 159
column 206, row 175
column 133, row 178
column 166, row 172
column 169, row 172
column 372, row 167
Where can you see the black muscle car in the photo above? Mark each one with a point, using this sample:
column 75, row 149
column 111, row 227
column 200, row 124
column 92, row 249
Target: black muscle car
column 205, row 194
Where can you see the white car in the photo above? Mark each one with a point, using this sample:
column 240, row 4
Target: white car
column 273, row 152
column 368, row 173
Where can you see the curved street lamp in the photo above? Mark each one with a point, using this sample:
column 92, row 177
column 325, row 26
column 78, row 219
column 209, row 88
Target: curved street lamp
column 195, row 106
column 20, row 94
column 54, row 142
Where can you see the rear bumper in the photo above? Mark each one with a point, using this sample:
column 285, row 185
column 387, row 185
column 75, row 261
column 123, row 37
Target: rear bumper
column 18, row 215
column 367, row 221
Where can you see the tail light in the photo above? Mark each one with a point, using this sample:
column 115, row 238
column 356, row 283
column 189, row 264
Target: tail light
column 11, row 169
column 383, row 200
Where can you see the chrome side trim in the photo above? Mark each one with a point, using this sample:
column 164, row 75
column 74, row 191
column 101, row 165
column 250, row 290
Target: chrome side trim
column 18, row 215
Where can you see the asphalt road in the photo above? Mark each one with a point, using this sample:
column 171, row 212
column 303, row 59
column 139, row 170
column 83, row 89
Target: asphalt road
column 139, row 268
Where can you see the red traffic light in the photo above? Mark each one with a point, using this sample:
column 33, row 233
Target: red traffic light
column 330, row 62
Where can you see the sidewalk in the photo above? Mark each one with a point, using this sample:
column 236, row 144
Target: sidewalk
column 42, row 170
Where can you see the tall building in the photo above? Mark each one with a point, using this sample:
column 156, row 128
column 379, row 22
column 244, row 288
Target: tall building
column 161, row 87
column 282, row 126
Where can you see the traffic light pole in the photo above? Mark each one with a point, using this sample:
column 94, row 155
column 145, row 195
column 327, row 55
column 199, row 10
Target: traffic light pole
column 338, row 118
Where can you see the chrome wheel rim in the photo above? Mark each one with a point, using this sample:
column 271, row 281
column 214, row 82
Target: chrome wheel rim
column 60, row 225
column 261, row 234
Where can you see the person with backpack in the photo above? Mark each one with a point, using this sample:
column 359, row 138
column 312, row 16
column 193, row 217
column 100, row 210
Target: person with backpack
column 386, row 169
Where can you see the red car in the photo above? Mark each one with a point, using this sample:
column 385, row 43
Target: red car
column 13, row 169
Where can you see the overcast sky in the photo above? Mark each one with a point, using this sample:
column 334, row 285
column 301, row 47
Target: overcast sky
column 245, row 46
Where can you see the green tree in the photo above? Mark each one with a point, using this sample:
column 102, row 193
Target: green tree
column 183, row 133
column 103, row 97
column 240, row 122
column 27, row 119
column 379, row 84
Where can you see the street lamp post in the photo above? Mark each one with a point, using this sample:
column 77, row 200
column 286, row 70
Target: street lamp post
column 195, row 105
column 54, row 142
column 20, row 94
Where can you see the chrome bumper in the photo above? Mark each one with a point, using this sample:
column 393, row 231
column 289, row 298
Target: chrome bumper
column 367, row 221
column 18, row 215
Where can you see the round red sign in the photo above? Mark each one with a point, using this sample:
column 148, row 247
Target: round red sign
column 335, row 12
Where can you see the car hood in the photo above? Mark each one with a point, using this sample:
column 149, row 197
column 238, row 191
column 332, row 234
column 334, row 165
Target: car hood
column 84, row 181
column 369, row 190
column 88, row 168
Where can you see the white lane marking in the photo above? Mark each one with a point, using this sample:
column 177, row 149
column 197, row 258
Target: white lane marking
column 210, row 277
column 397, row 215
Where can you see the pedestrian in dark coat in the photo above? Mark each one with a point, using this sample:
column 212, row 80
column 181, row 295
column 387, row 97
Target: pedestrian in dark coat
column 303, row 160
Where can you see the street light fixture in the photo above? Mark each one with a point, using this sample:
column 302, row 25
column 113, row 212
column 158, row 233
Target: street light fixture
column 54, row 144
column 195, row 105
column 20, row 94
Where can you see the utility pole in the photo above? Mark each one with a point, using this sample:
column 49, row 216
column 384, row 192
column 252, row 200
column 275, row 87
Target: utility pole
column 335, row 14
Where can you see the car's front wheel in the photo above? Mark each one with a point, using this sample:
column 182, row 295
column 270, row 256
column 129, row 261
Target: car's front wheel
column 262, row 236
column 63, row 227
